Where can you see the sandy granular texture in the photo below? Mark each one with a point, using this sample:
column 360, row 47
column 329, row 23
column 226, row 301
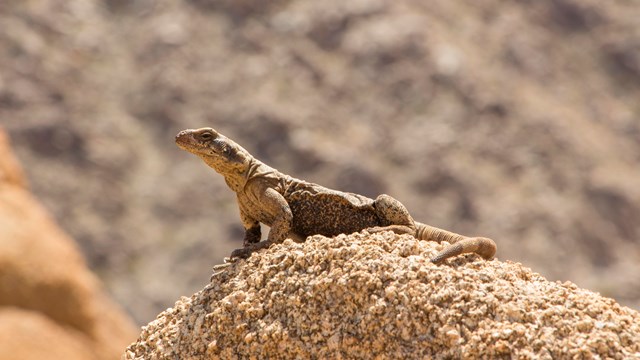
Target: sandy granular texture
column 378, row 296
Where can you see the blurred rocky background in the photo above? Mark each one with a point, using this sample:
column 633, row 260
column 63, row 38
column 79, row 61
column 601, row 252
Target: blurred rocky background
column 516, row 120
column 51, row 305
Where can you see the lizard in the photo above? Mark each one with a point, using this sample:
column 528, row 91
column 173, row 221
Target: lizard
column 296, row 209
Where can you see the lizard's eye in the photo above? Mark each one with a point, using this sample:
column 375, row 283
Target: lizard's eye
column 206, row 136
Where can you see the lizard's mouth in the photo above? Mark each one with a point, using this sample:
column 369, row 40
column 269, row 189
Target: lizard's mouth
column 186, row 141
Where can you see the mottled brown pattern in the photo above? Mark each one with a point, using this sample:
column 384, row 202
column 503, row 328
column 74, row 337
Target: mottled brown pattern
column 322, row 213
column 297, row 209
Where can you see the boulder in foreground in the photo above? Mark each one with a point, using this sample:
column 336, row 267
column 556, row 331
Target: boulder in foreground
column 368, row 296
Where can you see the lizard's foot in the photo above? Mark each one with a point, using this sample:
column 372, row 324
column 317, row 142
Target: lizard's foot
column 245, row 252
column 242, row 253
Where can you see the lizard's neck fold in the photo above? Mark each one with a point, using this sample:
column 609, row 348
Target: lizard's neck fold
column 237, row 180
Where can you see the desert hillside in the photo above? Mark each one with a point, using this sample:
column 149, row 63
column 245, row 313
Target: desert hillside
column 515, row 120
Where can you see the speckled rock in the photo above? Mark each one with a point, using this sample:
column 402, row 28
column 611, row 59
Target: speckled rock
column 378, row 296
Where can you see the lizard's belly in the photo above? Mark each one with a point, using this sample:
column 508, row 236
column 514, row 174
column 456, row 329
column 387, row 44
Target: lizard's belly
column 332, row 213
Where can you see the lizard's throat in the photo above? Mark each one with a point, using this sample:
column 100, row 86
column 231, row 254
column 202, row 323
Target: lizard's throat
column 234, row 174
column 237, row 178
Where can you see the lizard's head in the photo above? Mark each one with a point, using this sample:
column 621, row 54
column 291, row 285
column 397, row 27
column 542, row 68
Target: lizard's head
column 218, row 151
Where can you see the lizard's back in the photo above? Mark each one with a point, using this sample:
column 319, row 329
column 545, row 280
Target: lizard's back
column 319, row 210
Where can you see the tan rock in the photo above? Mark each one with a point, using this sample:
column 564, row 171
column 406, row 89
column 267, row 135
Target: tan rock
column 43, row 274
column 378, row 296
column 30, row 335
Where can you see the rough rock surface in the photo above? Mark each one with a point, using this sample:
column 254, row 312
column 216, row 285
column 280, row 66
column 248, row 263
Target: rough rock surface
column 378, row 296
column 51, row 305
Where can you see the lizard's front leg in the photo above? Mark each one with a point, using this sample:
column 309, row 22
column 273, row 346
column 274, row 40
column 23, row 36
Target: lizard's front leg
column 252, row 231
column 275, row 206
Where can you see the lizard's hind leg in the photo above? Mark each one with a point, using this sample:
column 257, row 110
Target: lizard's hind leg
column 393, row 216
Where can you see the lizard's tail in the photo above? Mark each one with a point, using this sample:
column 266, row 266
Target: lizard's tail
column 484, row 247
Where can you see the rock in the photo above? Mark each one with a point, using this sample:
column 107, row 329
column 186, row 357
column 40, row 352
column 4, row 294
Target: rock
column 378, row 296
column 31, row 335
column 51, row 305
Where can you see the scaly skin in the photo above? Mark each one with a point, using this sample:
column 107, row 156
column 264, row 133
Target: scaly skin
column 296, row 209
